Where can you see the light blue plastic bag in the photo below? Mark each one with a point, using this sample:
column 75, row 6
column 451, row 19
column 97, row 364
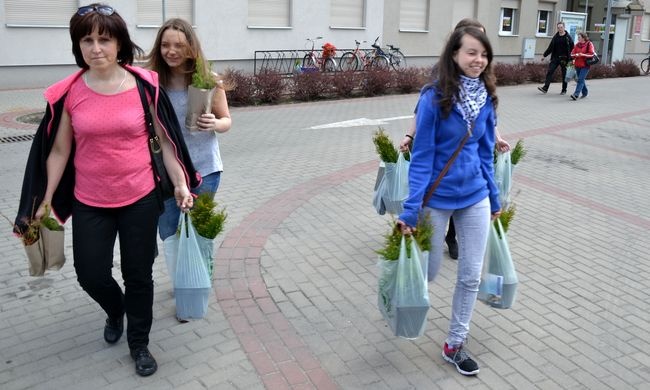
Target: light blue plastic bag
column 571, row 74
column 503, row 178
column 403, row 296
column 396, row 189
column 499, row 280
column 192, row 283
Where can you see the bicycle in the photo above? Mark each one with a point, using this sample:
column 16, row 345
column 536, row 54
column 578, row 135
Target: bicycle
column 358, row 59
column 324, row 61
column 645, row 64
column 396, row 58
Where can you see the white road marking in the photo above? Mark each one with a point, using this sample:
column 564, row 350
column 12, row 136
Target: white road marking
column 360, row 122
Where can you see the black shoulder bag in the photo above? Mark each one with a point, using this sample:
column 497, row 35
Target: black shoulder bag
column 164, row 185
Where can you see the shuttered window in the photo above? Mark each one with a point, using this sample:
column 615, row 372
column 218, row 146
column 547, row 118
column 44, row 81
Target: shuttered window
column 347, row 13
column 35, row 13
column 413, row 15
column 269, row 13
column 645, row 27
column 150, row 12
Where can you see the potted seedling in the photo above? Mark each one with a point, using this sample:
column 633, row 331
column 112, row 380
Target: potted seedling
column 208, row 221
column 43, row 240
column 200, row 93
column 402, row 295
column 391, row 186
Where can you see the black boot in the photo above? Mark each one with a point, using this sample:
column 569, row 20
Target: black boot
column 145, row 364
column 114, row 329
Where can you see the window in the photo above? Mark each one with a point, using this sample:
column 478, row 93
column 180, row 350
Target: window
column 509, row 22
column 269, row 13
column 36, row 13
column 545, row 22
column 413, row 15
column 150, row 12
column 645, row 27
column 347, row 14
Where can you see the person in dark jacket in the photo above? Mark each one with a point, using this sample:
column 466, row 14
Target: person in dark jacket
column 560, row 49
column 90, row 159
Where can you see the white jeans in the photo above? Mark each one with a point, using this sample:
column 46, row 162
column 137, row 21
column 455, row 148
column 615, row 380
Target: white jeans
column 472, row 225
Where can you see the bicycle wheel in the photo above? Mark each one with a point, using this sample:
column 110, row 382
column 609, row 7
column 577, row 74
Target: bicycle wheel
column 308, row 61
column 349, row 61
column 329, row 65
column 397, row 60
column 645, row 65
column 379, row 63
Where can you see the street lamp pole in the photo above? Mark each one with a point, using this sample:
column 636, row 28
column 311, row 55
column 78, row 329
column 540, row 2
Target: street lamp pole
column 608, row 21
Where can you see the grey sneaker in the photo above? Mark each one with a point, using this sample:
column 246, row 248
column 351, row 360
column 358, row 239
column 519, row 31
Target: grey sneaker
column 458, row 357
column 542, row 89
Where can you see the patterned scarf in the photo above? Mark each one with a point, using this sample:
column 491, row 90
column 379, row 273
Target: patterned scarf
column 472, row 97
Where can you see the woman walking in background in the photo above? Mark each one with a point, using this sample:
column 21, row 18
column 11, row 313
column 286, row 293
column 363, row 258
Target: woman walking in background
column 176, row 54
column 582, row 51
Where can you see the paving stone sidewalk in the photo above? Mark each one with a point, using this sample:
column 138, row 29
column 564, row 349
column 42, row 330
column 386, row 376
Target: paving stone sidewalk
column 295, row 278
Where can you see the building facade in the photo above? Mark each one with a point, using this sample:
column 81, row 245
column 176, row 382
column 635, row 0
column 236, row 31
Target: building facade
column 37, row 49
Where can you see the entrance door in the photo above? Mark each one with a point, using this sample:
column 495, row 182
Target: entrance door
column 620, row 38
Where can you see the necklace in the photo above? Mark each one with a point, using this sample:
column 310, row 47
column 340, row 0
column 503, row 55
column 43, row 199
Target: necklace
column 85, row 77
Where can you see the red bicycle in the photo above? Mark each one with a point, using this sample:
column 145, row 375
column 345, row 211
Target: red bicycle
column 324, row 60
column 359, row 60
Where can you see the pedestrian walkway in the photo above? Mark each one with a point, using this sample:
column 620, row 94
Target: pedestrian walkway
column 295, row 277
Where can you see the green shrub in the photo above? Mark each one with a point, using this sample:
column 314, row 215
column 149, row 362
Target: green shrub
column 393, row 239
column 384, row 145
column 206, row 218
column 518, row 152
column 203, row 78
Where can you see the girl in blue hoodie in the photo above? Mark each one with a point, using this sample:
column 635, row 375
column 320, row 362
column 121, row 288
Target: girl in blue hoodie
column 461, row 101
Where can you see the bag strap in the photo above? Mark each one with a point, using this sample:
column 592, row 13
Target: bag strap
column 447, row 166
column 154, row 141
column 145, row 106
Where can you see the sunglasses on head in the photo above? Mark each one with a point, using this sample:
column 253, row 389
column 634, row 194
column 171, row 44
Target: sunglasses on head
column 100, row 9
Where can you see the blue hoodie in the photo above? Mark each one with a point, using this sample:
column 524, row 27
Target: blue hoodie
column 471, row 176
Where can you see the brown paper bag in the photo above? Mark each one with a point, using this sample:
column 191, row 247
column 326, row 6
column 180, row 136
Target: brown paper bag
column 199, row 101
column 53, row 249
column 36, row 258
column 47, row 252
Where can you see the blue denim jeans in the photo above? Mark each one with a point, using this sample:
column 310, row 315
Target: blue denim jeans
column 472, row 225
column 168, row 221
column 581, row 87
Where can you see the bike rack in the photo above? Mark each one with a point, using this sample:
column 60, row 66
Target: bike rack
column 283, row 62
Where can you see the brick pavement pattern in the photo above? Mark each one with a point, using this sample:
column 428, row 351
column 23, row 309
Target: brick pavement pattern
column 296, row 274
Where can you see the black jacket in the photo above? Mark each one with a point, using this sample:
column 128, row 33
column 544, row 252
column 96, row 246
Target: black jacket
column 560, row 47
column 35, row 179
